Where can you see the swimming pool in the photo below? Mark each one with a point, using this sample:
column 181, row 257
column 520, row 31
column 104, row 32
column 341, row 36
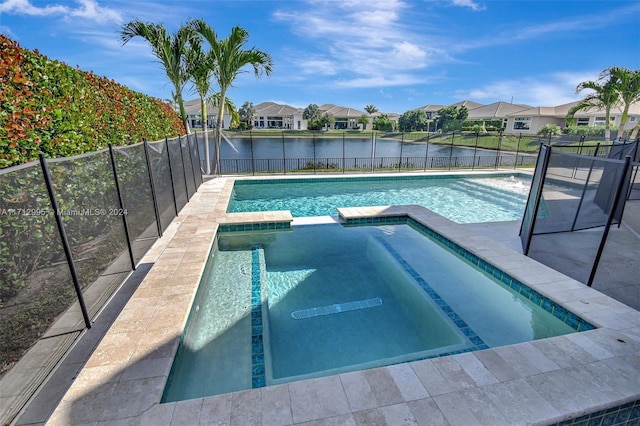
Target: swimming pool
column 463, row 199
column 325, row 299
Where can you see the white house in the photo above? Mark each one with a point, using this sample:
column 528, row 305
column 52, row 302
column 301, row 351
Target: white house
column 532, row 119
column 194, row 115
column 270, row 115
column 516, row 118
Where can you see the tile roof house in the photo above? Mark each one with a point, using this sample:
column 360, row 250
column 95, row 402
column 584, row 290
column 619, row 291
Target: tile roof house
column 346, row 118
column 532, row 119
column 517, row 118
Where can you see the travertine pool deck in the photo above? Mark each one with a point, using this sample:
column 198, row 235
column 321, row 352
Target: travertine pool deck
column 544, row 381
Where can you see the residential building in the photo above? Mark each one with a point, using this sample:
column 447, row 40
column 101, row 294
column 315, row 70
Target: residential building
column 346, row 118
column 532, row 119
column 270, row 115
column 495, row 111
column 194, row 115
column 517, row 118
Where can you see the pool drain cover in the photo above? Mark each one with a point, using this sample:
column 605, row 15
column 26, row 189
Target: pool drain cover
column 337, row 308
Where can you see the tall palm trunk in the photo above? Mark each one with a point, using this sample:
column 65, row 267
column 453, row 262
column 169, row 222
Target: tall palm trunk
column 207, row 153
column 183, row 112
column 219, row 122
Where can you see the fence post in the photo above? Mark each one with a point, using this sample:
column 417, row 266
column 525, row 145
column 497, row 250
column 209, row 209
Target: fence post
column 475, row 150
column 614, row 208
column 499, row 156
column 426, row 152
column 453, row 134
column 64, row 240
column 253, row 161
column 373, row 151
column 184, row 169
column 515, row 162
column 195, row 183
column 343, row 159
column 535, row 195
column 173, row 187
column 401, row 144
column 314, row 153
column 154, row 195
column 284, row 156
column 116, row 180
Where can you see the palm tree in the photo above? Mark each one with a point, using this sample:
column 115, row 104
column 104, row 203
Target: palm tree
column 229, row 108
column 627, row 84
column 370, row 109
column 247, row 113
column 604, row 97
column 364, row 120
column 230, row 58
column 169, row 49
column 199, row 67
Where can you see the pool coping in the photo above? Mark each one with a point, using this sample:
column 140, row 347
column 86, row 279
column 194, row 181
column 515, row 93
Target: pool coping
column 542, row 381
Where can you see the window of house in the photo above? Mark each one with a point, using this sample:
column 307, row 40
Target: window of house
column 599, row 121
column 584, row 121
column 633, row 119
column 522, row 123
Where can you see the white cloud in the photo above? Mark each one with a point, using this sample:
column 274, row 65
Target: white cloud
column 467, row 3
column 380, row 81
column 371, row 43
column 87, row 9
column 24, row 7
column 90, row 9
column 317, row 67
column 545, row 90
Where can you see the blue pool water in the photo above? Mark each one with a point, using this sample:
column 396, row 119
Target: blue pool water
column 462, row 199
column 325, row 299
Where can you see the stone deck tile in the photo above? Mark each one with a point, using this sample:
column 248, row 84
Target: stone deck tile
column 317, row 399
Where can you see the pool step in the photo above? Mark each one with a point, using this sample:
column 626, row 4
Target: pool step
column 336, row 308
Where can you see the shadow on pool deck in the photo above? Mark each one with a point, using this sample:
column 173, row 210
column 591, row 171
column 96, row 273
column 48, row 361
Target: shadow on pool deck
column 572, row 253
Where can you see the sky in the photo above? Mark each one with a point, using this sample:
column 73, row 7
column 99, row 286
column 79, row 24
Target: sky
column 396, row 55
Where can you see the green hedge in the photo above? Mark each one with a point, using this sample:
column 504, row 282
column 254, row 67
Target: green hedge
column 48, row 106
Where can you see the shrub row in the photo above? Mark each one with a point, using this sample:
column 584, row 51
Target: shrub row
column 48, row 106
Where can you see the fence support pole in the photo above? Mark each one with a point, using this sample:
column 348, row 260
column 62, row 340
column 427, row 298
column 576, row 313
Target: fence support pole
column 401, row 144
column 499, row 156
column 515, row 162
column 426, row 152
column 195, row 183
column 453, row 134
column 116, row 180
column 173, row 186
column 475, row 150
column 614, row 208
column 154, row 194
column 184, row 169
column 343, row 159
column 64, row 240
column 253, row 162
column 284, row 157
column 314, row 153
column 373, row 151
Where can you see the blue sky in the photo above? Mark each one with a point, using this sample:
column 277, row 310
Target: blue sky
column 397, row 55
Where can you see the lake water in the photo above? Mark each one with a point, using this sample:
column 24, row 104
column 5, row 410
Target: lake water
column 242, row 147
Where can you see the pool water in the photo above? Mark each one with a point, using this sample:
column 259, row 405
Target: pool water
column 325, row 299
column 461, row 199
